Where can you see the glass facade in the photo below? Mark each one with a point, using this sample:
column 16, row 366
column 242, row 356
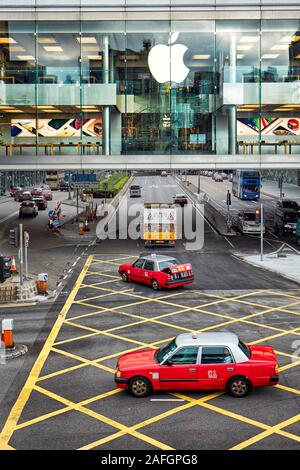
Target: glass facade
column 149, row 87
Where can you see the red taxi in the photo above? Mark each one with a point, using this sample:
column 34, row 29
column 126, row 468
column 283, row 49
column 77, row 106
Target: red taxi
column 198, row 361
column 157, row 271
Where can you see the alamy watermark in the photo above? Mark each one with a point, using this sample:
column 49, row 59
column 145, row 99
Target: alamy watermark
column 128, row 222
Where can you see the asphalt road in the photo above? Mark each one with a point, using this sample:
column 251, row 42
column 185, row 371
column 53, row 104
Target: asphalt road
column 225, row 290
column 71, row 402
column 48, row 252
column 217, row 191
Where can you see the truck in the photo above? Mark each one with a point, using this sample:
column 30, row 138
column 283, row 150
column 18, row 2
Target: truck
column 248, row 221
column 286, row 217
column 159, row 224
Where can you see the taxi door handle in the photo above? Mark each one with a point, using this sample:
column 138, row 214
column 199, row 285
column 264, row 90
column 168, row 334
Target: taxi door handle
column 192, row 369
column 230, row 368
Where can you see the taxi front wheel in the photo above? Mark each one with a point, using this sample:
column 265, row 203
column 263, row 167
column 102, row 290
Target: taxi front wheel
column 124, row 276
column 139, row 387
column 238, row 387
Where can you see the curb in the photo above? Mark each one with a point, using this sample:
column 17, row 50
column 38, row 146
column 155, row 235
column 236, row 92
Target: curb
column 16, row 351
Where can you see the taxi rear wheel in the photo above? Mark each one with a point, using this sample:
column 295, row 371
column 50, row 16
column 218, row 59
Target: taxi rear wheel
column 155, row 284
column 238, row 387
column 139, row 387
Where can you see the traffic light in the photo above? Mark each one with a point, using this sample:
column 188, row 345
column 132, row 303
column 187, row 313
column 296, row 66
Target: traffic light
column 5, row 263
column 257, row 216
column 14, row 237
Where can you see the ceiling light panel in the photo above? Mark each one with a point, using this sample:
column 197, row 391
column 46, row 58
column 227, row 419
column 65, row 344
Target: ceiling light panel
column 244, row 47
column 53, row 48
column 47, row 40
column 269, row 56
column 201, row 56
column 7, row 41
column 279, row 47
column 249, row 39
column 25, row 57
column 87, row 40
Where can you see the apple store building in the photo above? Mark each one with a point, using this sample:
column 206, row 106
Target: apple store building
column 149, row 84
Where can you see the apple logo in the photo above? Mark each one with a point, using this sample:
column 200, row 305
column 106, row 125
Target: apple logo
column 166, row 62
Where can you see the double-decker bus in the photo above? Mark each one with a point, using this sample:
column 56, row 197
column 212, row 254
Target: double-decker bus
column 246, row 184
column 53, row 179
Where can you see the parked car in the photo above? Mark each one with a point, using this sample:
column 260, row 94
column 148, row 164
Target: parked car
column 28, row 208
column 158, row 271
column 40, row 202
column 163, row 173
column 224, row 175
column 180, row 199
column 199, row 361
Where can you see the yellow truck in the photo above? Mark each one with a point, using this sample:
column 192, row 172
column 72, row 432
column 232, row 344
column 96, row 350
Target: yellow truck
column 160, row 224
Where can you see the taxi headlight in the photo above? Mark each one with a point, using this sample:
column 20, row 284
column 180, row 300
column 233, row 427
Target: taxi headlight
column 118, row 373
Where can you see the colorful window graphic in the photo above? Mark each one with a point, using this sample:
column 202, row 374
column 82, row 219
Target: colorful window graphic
column 56, row 127
column 270, row 126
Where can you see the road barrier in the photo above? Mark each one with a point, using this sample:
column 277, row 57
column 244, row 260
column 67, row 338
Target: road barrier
column 7, row 333
column 42, row 283
column 13, row 268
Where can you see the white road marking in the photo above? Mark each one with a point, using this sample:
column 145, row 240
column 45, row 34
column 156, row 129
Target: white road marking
column 166, row 399
column 231, row 244
column 9, row 216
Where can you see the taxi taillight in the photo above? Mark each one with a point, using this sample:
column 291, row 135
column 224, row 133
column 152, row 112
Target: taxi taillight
column 276, row 369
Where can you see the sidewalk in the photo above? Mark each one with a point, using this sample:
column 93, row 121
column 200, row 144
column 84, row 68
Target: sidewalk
column 290, row 191
column 288, row 267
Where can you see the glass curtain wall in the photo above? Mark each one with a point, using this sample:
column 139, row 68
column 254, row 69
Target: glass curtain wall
column 92, row 88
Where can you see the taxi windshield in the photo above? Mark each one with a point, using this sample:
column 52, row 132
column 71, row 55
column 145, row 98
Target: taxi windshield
column 166, row 350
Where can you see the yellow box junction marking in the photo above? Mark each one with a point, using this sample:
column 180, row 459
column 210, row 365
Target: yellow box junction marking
column 166, row 300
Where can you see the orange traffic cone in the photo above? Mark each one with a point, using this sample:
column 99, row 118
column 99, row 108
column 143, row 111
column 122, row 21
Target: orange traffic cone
column 13, row 268
column 86, row 226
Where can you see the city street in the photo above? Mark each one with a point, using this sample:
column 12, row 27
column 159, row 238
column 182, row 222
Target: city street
column 68, row 400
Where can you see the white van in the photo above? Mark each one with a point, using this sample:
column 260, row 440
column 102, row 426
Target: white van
column 135, row 190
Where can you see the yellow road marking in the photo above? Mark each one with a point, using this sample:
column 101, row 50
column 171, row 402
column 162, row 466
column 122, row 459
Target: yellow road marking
column 22, row 399
column 274, row 429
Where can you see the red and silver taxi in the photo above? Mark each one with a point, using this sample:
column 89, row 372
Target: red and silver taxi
column 200, row 361
column 158, row 271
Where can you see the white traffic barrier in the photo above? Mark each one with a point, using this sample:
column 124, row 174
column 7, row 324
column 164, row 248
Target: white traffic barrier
column 7, row 332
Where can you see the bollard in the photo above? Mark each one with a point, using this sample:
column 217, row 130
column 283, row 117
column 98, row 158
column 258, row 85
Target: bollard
column 81, row 229
column 42, row 283
column 7, row 332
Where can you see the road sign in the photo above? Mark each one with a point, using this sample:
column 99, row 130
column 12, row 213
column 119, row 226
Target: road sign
column 84, row 177
column 87, row 185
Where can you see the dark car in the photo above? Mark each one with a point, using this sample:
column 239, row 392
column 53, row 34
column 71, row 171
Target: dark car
column 40, row 202
column 64, row 186
column 28, row 208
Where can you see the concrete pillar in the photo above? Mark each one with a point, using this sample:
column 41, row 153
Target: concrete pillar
column 232, row 108
column 106, row 110
column 298, row 178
